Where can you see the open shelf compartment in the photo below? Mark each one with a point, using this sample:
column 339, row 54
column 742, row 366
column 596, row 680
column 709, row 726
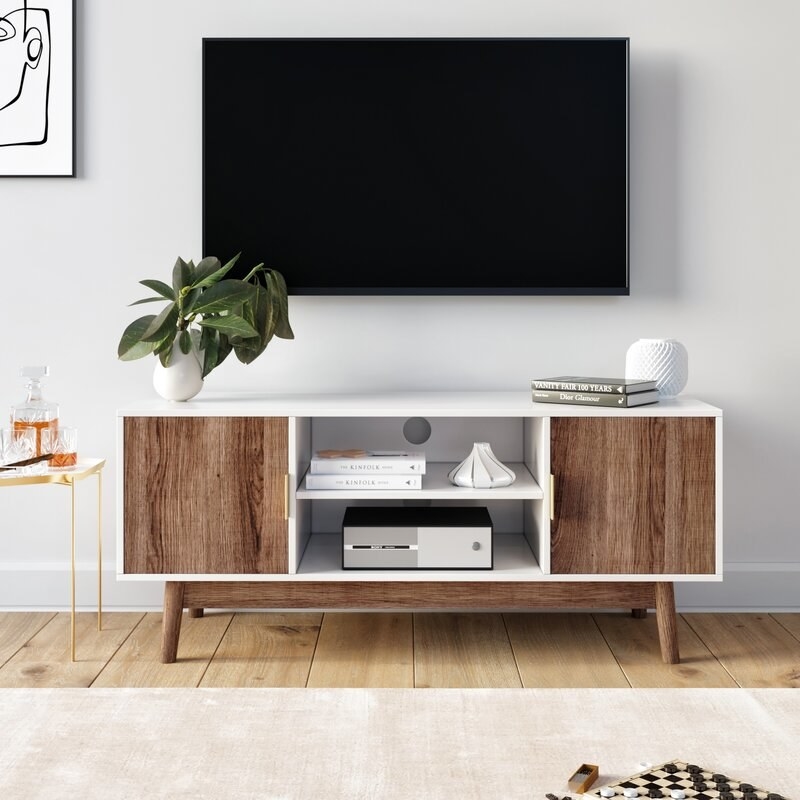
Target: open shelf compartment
column 518, row 511
column 513, row 560
column 436, row 486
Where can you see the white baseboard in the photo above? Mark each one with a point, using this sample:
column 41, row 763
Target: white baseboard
column 760, row 586
column 24, row 586
column 47, row 586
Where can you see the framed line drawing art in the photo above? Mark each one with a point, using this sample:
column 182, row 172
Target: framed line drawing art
column 37, row 88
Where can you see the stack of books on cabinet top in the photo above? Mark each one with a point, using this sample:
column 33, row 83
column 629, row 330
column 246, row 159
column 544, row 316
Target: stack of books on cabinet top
column 366, row 469
column 610, row 392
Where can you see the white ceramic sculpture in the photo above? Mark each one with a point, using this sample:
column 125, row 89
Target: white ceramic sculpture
column 664, row 361
column 481, row 469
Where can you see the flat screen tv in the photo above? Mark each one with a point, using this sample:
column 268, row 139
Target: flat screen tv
column 420, row 166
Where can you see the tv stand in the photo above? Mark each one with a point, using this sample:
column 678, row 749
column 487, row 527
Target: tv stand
column 610, row 507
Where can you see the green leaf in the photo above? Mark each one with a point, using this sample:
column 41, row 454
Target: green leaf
column 163, row 324
column 279, row 294
column 181, row 276
column 266, row 319
column 139, row 350
column 210, row 350
column 244, row 355
column 247, row 354
column 224, row 296
column 256, row 269
column 147, row 300
column 160, row 288
column 258, row 314
column 284, row 329
column 164, row 349
column 165, row 344
column 216, row 350
column 131, row 345
column 230, row 264
column 206, row 268
column 230, row 325
column 185, row 342
column 190, row 300
column 248, row 313
column 218, row 275
column 206, row 335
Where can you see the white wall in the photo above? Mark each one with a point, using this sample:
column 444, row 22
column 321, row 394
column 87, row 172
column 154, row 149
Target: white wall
column 715, row 167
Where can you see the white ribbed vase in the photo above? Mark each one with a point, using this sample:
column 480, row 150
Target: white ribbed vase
column 664, row 361
column 481, row 469
column 182, row 379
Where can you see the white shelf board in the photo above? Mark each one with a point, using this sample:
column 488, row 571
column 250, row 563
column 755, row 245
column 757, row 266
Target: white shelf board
column 435, row 486
column 513, row 560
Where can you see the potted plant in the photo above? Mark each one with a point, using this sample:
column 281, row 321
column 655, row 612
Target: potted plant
column 207, row 317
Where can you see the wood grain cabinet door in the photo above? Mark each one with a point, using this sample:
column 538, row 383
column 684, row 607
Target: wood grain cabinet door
column 205, row 495
column 633, row 495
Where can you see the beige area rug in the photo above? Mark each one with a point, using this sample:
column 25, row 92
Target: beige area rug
column 380, row 744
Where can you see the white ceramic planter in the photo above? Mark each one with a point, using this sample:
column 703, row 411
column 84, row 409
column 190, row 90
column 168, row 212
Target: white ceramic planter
column 663, row 360
column 182, row 379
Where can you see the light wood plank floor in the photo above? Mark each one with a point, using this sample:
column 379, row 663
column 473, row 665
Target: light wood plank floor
column 361, row 649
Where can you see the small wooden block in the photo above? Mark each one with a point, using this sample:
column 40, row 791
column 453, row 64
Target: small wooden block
column 583, row 778
column 341, row 454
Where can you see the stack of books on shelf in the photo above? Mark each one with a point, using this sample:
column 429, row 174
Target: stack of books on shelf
column 611, row 392
column 366, row 469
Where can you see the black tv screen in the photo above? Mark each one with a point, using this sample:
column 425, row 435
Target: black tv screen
column 419, row 166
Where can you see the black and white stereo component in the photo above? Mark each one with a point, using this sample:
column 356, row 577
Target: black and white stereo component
column 417, row 538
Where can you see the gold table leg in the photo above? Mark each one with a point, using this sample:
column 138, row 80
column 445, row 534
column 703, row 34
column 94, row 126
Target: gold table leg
column 99, row 559
column 99, row 551
column 72, row 543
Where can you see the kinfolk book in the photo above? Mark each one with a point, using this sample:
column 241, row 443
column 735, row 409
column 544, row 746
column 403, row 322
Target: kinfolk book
column 596, row 398
column 366, row 482
column 374, row 462
column 576, row 383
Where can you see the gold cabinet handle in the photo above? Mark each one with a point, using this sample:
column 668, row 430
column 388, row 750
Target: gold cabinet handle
column 552, row 497
column 286, row 496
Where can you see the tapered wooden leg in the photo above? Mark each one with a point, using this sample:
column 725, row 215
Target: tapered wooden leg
column 195, row 613
column 638, row 613
column 171, row 622
column 667, row 623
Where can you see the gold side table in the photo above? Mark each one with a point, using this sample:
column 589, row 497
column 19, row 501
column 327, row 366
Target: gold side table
column 69, row 476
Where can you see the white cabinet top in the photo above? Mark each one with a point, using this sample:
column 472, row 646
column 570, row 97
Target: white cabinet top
column 400, row 404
